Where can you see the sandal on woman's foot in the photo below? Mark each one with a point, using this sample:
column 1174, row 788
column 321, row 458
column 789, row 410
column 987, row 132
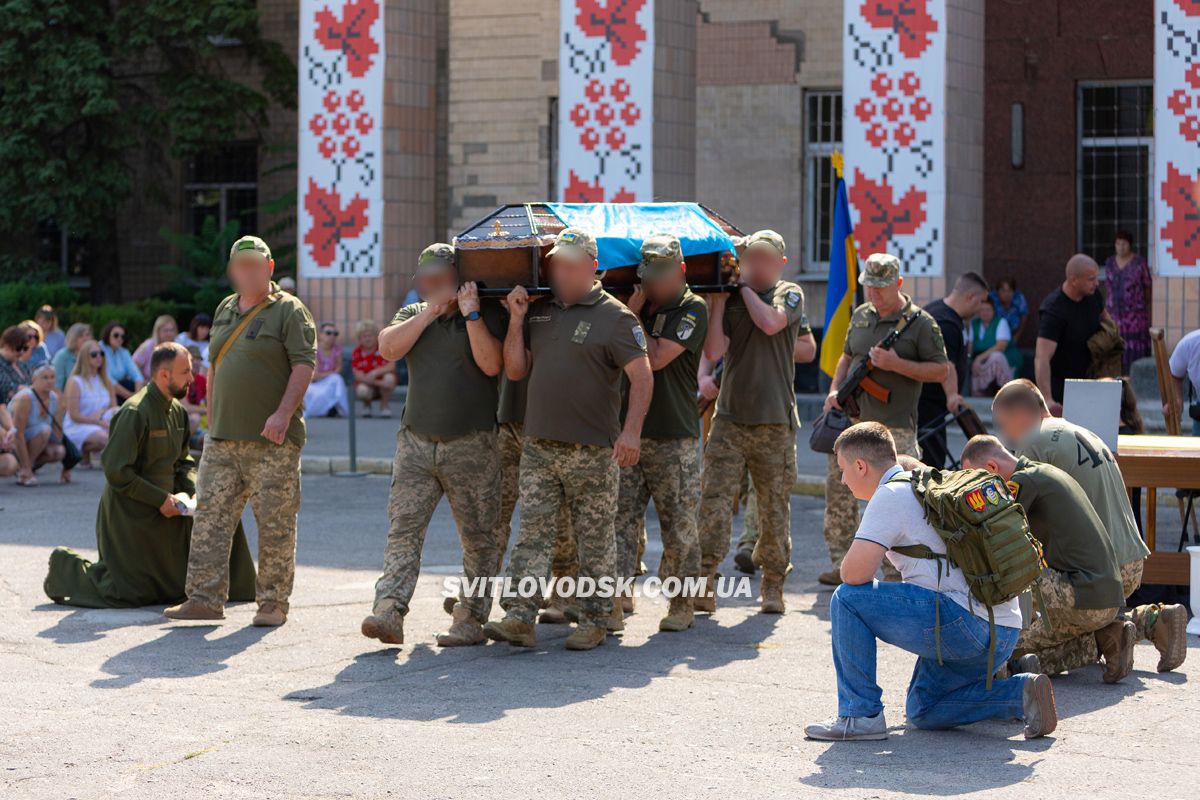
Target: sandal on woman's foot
column 30, row 481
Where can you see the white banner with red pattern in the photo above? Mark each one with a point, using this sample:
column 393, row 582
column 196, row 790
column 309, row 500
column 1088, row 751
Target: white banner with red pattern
column 605, row 101
column 1177, row 137
column 340, row 187
column 894, row 128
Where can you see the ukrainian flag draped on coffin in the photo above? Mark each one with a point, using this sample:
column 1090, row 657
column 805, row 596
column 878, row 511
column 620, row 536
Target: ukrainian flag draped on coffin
column 843, row 276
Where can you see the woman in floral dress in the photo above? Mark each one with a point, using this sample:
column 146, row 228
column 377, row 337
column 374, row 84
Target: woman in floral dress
column 1128, row 286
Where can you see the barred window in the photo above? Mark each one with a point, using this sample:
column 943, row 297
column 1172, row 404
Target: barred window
column 222, row 184
column 1116, row 140
column 823, row 135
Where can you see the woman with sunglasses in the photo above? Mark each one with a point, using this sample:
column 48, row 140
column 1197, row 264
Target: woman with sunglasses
column 326, row 395
column 124, row 375
column 91, row 402
column 14, row 352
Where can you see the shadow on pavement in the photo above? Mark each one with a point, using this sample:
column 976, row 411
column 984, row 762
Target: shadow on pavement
column 183, row 651
column 973, row 759
column 472, row 685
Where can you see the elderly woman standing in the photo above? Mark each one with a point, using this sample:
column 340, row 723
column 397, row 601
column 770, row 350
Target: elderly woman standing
column 165, row 330
column 64, row 359
column 1128, row 293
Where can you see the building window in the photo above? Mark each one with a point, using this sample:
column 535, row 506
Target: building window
column 823, row 135
column 1116, row 140
column 222, row 185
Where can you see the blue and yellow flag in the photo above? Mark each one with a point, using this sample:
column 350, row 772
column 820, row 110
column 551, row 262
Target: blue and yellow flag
column 843, row 276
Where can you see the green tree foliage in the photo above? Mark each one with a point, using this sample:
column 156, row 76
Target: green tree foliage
column 87, row 85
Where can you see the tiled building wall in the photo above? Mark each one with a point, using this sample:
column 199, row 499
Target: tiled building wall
column 756, row 59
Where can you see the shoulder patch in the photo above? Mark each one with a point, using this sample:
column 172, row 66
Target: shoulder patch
column 639, row 336
column 1014, row 488
column 687, row 325
column 791, row 299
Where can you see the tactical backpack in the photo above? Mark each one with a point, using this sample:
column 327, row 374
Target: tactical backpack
column 986, row 535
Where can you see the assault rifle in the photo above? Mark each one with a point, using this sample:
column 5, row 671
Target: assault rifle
column 859, row 377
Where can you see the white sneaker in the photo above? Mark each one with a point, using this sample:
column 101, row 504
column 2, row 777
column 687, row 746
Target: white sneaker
column 849, row 729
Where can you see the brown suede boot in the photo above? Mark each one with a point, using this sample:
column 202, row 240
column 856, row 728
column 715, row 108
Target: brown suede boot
column 270, row 615
column 194, row 610
column 554, row 612
column 627, row 603
column 1167, row 629
column 616, row 618
column 1115, row 641
column 831, row 578
column 585, row 637
column 386, row 625
column 679, row 616
column 706, row 602
column 512, row 630
column 464, row 631
column 772, row 595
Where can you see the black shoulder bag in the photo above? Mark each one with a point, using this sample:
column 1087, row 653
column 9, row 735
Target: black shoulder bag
column 71, row 454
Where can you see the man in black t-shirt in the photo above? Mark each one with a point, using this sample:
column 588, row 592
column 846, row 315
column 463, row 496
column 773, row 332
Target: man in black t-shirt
column 952, row 313
column 1066, row 320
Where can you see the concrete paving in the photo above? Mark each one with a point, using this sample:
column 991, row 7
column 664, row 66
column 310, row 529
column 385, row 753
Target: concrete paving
column 106, row 704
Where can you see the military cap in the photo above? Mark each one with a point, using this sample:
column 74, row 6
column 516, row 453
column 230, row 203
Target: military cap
column 767, row 237
column 881, row 269
column 250, row 243
column 661, row 254
column 435, row 257
column 575, row 239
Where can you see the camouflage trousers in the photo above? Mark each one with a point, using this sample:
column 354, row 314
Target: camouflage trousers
column 467, row 470
column 510, row 442
column 669, row 473
column 749, row 535
column 583, row 479
column 1069, row 640
column 841, row 509
column 233, row 473
column 769, row 452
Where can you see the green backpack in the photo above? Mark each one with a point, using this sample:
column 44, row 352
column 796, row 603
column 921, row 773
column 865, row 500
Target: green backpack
column 986, row 535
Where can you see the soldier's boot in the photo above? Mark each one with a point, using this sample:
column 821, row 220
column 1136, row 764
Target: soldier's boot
column 270, row 615
column 679, row 615
column 512, row 630
column 586, row 636
column 706, row 601
column 448, row 604
column 573, row 613
column 772, row 595
column 385, row 624
column 831, row 578
column 743, row 559
column 616, row 618
column 627, row 605
column 194, row 610
column 1166, row 627
column 464, row 631
column 1115, row 641
column 555, row 610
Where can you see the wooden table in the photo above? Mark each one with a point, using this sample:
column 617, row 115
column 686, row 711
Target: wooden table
column 1155, row 462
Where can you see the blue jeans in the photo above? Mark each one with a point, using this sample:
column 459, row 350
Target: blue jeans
column 940, row 695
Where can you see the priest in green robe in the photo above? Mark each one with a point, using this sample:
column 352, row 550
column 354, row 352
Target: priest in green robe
column 142, row 529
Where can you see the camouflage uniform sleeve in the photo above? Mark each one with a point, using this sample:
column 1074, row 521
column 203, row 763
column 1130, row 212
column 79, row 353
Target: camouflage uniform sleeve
column 854, row 317
column 408, row 312
column 930, row 345
column 300, row 337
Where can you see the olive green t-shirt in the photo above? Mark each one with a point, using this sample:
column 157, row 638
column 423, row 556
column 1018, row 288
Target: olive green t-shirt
column 1084, row 456
column 920, row 341
column 448, row 394
column 512, row 400
column 579, row 354
column 758, row 387
column 672, row 413
column 249, row 382
column 1074, row 539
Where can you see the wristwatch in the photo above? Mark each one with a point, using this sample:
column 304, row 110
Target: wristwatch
column 474, row 315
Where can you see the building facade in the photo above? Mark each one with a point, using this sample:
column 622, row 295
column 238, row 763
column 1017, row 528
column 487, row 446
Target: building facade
column 1049, row 139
